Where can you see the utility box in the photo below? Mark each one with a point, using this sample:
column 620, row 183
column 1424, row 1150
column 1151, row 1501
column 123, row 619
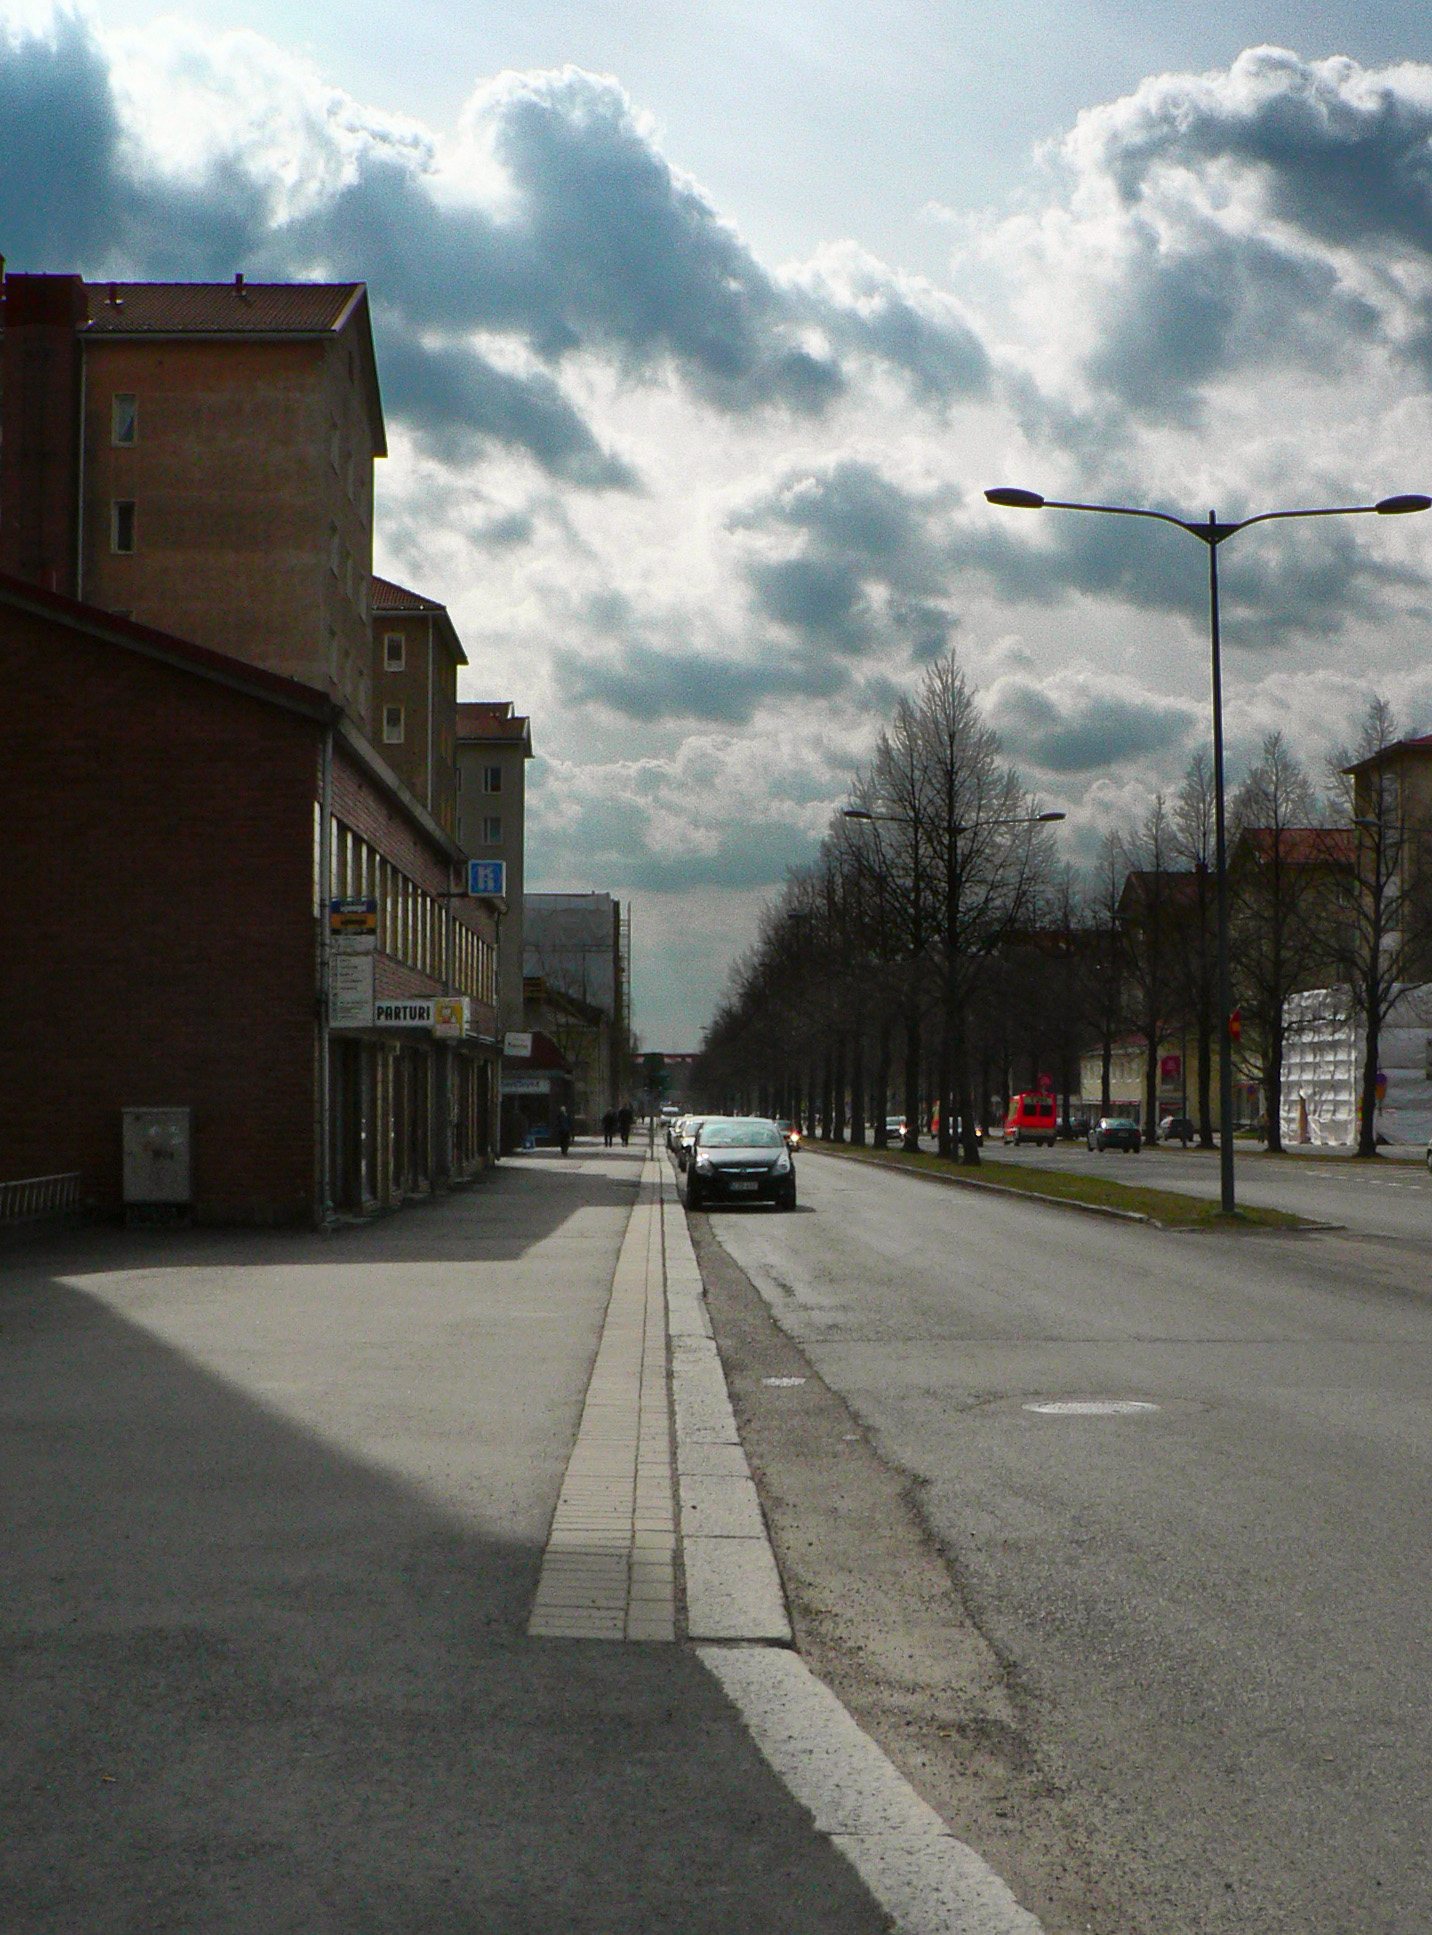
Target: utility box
column 157, row 1171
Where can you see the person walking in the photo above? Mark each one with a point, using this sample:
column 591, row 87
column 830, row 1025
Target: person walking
column 609, row 1127
column 625, row 1118
column 564, row 1130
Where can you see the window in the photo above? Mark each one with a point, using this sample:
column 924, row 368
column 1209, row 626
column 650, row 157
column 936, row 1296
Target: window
column 392, row 725
column 457, row 778
column 393, row 654
column 492, row 779
column 491, row 829
column 121, row 527
column 124, row 418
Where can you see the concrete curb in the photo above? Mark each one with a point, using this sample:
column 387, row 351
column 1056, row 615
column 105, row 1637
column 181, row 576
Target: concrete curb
column 733, row 1588
column 997, row 1189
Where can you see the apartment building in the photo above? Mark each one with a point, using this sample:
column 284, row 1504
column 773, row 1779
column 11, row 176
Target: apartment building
column 416, row 655
column 494, row 744
column 199, row 457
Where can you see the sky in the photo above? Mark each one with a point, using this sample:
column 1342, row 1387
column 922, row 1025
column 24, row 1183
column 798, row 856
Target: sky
column 701, row 334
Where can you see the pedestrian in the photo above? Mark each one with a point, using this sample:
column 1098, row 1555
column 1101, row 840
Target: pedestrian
column 625, row 1118
column 564, row 1130
column 609, row 1127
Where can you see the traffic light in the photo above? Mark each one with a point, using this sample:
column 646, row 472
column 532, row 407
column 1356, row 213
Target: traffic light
column 1235, row 1025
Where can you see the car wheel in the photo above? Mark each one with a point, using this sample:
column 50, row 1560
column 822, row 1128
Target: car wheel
column 788, row 1200
column 693, row 1196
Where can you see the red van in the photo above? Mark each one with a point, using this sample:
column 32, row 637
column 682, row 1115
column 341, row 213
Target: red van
column 1031, row 1118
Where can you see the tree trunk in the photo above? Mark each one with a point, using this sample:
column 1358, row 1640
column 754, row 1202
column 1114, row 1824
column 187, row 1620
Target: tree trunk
column 912, row 1080
column 1205, row 1083
column 1273, row 1087
column 857, row 1087
column 882, row 1082
column 944, row 1081
column 837, row 1131
column 1367, row 1125
column 1106, row 1072
column 1151, row 1090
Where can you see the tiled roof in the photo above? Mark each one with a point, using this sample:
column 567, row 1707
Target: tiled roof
column 493, row 720
column 1394, row 751
column 390, row 597
column 1304, row 846
column 220, row 308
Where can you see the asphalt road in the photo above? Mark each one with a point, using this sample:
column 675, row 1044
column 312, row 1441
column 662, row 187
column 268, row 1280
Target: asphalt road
column 1389, row 1197
column 1212, row 1614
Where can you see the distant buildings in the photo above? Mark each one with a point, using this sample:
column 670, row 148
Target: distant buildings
column 493, row 747
column 576, row 980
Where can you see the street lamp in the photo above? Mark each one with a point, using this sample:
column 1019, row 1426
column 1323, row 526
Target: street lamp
column 1212, row 533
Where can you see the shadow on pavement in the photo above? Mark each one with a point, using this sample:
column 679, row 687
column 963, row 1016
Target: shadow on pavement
column 252, row 1681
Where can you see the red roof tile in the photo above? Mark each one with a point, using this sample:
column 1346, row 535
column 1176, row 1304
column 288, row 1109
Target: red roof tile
column 1306, row 846
column 390, row 597
column 220, row 308
column 493, row 719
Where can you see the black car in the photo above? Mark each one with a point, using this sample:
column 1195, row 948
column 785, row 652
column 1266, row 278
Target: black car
column 740, row 1161
column 1115, row 1132
column 1179, row 1128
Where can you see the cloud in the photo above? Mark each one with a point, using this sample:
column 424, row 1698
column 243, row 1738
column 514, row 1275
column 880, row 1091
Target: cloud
column 1083, row 725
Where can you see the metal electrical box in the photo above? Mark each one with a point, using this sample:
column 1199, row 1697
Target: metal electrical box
column 157, row 1175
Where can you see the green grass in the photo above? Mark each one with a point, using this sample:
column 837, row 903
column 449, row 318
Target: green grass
column 1166, row 1207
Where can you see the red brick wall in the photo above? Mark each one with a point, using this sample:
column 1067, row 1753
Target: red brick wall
column 39, row 411
column 156, row 880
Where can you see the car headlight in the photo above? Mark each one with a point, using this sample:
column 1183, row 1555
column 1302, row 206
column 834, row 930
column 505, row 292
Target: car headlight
column 782, row 1163
column 703, row 1161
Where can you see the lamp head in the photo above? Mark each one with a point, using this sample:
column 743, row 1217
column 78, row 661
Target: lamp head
column 1047, row 819
column 856, row 813
column 1020, row 500
column 1400, row 506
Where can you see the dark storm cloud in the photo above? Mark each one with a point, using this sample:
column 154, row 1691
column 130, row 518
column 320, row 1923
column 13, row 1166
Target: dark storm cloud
column 643, row 682
column 870, row 570
column 599, row 246
column 1093, row 731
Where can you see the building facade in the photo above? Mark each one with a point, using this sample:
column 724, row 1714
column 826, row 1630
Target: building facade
column 416, row 655
column 493, row 746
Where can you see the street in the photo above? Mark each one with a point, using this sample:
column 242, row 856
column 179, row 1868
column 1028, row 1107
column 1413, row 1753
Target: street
column 1210, row 1614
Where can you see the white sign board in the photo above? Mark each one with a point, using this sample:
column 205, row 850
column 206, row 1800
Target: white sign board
column 350, row 991
column 450, row 1017
column 517, row 1046
column 403, row 1014
column 527, row 1085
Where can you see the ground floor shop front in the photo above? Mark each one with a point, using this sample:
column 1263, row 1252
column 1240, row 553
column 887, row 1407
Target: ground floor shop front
column 406, row 1118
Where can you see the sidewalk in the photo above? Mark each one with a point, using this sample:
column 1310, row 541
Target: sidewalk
column 298, row 1534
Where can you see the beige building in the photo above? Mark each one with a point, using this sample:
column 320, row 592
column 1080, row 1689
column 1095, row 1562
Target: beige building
column 494, row 744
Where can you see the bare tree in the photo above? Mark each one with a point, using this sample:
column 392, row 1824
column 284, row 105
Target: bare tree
column 1147, row 922
column 1195, row 953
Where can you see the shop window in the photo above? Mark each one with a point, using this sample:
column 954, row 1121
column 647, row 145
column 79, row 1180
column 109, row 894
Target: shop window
column 121, row 528
column 124, row 418
column 392, row 725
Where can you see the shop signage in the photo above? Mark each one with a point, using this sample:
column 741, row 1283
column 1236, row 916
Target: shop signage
column 527, row 1085
column 350, row 991
column 487, row 878
column 517, row 1045
column 353, row 926
column 450, row 1017
column 402, row 1014
column 1171, row 1068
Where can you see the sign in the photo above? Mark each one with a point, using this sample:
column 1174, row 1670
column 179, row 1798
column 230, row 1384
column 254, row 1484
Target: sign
column 403, row 1014
column 517, row 1046
column 527, row 1085
column 353, row 924
column 1171, row 1068
column 1046, row 1085
column 1235, row 1025
column 450, row 1017
column 350, row 991
column 487, row 878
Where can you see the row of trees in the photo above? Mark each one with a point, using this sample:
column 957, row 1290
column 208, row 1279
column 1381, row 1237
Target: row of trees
column 938, row 955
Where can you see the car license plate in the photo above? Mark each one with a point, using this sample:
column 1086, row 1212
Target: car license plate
column 740, row 1183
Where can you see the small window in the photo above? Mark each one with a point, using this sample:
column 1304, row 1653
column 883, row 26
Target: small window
column 492, row 779
column 393, row 656
column 457, row 779
column 492, row 829
column 392, row 725
column 124, row 418
column 121, row 527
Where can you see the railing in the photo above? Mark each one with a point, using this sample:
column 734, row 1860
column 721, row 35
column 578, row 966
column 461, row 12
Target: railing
column 38, row 1196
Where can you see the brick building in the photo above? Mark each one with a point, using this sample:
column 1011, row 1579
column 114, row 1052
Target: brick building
column 199, row 456
column 184, row 818
column 186, row 508
column 493, row 746
column 416, row 653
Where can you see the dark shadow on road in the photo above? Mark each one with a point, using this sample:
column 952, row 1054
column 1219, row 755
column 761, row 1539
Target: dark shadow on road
column 253, row 1683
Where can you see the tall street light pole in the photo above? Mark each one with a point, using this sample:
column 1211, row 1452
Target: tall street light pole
column 1212, row 533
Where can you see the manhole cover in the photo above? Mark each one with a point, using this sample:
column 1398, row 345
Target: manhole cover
column 1091, row 1407
column 782, row 1383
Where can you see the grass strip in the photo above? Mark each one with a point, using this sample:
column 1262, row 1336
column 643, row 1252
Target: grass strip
column 1168, row 1208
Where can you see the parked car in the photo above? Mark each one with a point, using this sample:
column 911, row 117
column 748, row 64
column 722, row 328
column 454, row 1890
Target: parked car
column 1178, row 1128
column 737, row 1160
column 894, row 1129
column 1032, row 1118
column 1429, row 1157
column 1115, row 1132
column 686, row 1135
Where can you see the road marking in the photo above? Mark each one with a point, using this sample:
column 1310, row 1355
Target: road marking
column 1091, row 1407
column 927, row 1882
column 782, row 1383
column 609, row 1571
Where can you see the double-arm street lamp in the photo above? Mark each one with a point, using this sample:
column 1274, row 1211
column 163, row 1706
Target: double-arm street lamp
column 1213, row 533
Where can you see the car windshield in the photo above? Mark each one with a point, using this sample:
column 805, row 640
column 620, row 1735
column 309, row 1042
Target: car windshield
column 740, row 1135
